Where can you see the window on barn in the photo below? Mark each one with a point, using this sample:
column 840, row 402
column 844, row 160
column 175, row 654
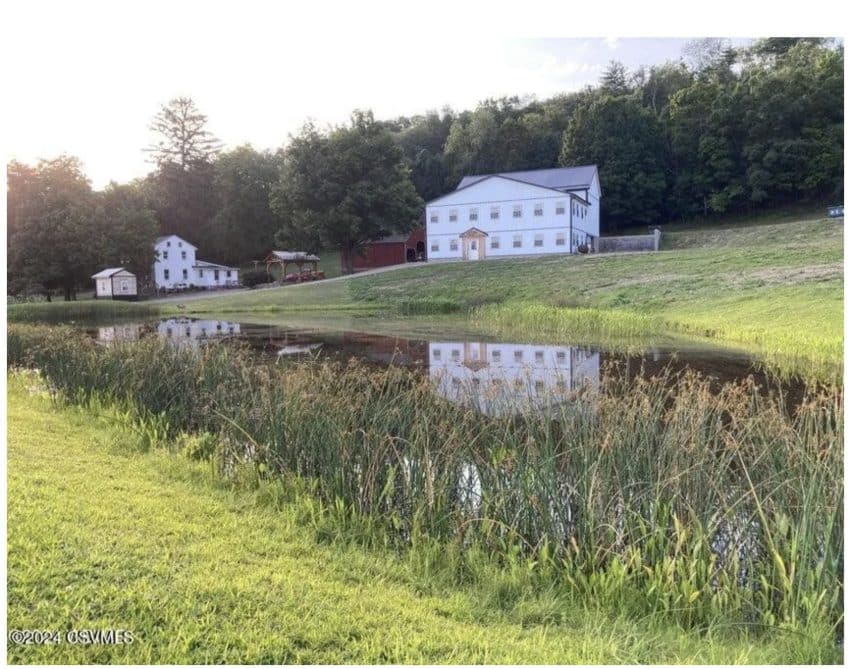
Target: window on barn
column 182, row 255
column 453, row 245
column 517, row 241
column 453, row 216
column 180, row 244
column 538, row 209
column 201, row 273
column 559, row 239
column 185, row 273
column 518, row 355
column 228, row 274
column 435, row 247
column 538, row 356
column 165, row 255
column 494, row 213
column 538, row 240
column 494, row 242
column 560, row 208
column 455, row 353
column 473, row 214
column 437, row 353
column 165, row 275
column 561, row 356
column 497, row 355
column 435, row 218
column 517, row 211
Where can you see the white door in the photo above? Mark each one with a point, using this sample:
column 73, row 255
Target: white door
column 473, row 249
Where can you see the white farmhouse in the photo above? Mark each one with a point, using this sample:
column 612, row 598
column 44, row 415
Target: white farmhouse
column 176, row 266
column 516, row 213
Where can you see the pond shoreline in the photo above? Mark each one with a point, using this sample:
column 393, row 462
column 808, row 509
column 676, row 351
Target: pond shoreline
column 403, row 462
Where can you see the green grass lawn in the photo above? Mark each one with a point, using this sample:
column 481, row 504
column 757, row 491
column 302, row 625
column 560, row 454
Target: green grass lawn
column 774, row 287
column 103, row 536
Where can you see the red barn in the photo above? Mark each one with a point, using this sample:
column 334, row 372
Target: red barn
column 391, row 250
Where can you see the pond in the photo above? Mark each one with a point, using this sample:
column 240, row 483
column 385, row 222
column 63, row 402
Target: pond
column 492, row 376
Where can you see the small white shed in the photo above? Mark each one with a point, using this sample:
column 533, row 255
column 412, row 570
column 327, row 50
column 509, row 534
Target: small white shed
column 116, row 283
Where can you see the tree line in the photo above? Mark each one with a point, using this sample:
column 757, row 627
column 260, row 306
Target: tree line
column 721, row 131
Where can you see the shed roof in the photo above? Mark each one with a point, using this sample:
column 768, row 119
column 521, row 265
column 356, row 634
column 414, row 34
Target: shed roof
column 106, row 273
column 557, row 178
column 391, row 239
column 294, row 255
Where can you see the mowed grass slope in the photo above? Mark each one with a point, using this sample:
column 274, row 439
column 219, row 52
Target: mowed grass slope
column 773, row 286
column 101, row 536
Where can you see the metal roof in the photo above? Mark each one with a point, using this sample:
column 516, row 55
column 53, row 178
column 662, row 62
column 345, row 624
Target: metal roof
column 106, row 273
column 295, row 255
column 557, row 178
column 204, row 263
column 391, row 239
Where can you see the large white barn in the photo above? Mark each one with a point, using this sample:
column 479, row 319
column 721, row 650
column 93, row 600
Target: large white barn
column 515, row 213
column 177, row 267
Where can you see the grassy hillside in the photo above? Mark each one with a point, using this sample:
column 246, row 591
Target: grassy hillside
column 774, row 286
column 103, row 536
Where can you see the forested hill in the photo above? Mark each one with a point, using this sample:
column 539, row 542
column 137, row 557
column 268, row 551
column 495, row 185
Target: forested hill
column 739, row 130
column 725, row 131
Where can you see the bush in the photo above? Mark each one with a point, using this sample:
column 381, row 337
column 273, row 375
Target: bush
column 254, row 277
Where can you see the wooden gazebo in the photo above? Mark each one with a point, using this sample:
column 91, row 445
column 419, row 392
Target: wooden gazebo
column 284, row 258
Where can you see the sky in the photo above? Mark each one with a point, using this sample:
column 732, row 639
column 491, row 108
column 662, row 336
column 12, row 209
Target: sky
column 86, row 78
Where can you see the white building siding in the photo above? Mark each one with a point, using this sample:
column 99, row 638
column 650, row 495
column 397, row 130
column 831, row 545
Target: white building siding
column 177, row 263
column 175, row 259
column 519, row 219
column 215, row 277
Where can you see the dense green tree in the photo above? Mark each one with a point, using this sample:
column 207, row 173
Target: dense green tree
column 708, row 167
column 182, row 137
column 625, row 140
column 182, row 189
column 344, row 188
column 507, row 134
column 244, row 224
column 52, row 231
column 660, row 83
column 615, row 79
column 127, row 229
column 793, row 124
column 422, row 140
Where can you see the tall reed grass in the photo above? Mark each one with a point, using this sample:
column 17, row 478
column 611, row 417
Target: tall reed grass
column 811, row 356
column 657, row 496
column 62, row 312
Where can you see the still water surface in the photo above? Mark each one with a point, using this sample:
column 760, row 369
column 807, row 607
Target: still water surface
column 488, row 375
